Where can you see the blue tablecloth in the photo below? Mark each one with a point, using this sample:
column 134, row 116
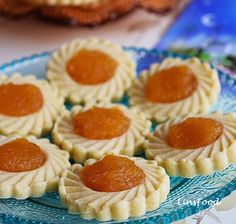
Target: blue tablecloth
column 207, row 24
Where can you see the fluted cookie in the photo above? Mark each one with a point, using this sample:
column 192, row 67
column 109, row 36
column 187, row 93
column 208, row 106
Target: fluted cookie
column 193, row 146
column 27, row 105
column 92, row 14
column 115, row 187
column 91, row 70
column 95, row 131
column 175, row 87
column 29, row 167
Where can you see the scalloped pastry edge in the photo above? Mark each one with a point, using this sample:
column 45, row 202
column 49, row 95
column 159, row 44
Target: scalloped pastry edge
column 35, row 189
column 123, row 209
column 76, row 93
column 46, row 125
column 204, row 166
column 80, row 154
column 167, row 63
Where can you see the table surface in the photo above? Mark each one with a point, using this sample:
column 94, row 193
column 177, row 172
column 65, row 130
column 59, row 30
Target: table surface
column 31, row 35
column 140, row 28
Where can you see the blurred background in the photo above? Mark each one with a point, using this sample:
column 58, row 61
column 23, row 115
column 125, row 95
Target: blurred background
column 203, row 28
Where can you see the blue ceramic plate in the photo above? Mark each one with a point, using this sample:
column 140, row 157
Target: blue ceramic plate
column 201, row 191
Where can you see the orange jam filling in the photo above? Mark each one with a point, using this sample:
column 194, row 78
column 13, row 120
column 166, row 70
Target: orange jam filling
column 171, row 85
column 20, row 100
column 112, row 174
column 101, row 123
column 20, row 155
column 194, row 133
column 91, row 67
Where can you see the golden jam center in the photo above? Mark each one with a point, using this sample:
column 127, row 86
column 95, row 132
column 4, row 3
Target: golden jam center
column 101, row 123
column 112, row 174
column 20, row 100
column 194, row 133
column 171, row 85
column 20, row 155
column 91, row 67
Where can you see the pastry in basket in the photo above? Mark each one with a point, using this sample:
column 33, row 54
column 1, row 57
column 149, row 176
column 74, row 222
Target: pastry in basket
column 175, row 87
column 115, row 187
column 90, row 14
column 27, row 105
column 29, row 167
column 91, row 70
column 158, row 5
column 15, row 8
column 193, row 146
column 94, row 131
column 83, row 12
column 61, row 2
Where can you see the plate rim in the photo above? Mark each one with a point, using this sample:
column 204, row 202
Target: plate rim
column 175, row 215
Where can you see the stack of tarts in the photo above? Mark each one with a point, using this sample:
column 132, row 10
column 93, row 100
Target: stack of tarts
column 101, row 137
column 83, row 12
